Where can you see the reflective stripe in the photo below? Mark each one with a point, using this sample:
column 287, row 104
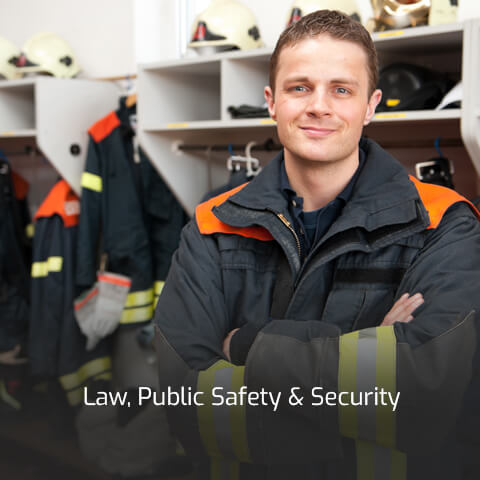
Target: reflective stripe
column 30, row 230
column 221, row 469
column 238, row 418
column 366, row 382
column 386, row 378
column 92, row 182
column 86, row 371
column 223, row 428
column 368, row 360
column 142, row 297
column 158, row 287
column 42, row 269
column 205, row 383
column 75, row 397
column 347, row 382
column 379, row 463
column 138, row 314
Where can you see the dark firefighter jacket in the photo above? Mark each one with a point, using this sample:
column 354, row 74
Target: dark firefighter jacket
column 128, row 213
column 15, row 258
column 56, row 344
column 395, row 235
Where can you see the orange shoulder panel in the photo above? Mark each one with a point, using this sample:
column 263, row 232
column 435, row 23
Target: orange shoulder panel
column 438, row 199
column 61, row 201
column 208, row 223
column 101, row 129
column 20, row 185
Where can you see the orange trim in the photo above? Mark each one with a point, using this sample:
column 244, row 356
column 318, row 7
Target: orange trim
column 20, row 185
column 104, row 127
column 208, row 223
column 83, row 302
column 55, row 202
column 115, row 280
column 437, row 200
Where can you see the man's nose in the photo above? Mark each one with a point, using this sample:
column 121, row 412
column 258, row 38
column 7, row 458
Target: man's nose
column 319, row 103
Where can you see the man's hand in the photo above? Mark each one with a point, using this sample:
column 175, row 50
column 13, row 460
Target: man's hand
column 402, row 309
column 226, row 344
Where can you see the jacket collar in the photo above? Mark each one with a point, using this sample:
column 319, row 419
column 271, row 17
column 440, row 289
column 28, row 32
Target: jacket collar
column 383, row 195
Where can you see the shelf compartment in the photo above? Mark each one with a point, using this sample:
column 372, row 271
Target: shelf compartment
column 186, row 92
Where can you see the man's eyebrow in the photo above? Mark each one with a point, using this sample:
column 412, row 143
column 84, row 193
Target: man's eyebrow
column 345, row 81
column 296, row 79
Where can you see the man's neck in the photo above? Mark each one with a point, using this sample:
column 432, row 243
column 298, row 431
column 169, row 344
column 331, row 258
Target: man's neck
column 319, row 182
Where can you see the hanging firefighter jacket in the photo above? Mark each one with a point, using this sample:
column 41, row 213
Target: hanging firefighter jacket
column 14, row 260
column 57, row 347
column 128, row 213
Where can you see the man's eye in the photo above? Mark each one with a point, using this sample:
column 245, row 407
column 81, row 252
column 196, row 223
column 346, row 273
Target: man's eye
column 299, row 88
column 342, row 90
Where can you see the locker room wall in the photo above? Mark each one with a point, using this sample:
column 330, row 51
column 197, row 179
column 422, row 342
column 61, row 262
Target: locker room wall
column 101, row 33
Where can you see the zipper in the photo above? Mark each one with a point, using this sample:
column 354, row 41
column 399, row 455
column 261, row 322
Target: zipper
column 289, row 226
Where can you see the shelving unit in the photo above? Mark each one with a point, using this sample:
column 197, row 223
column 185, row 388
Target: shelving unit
column 55, row 114
column 186, row 102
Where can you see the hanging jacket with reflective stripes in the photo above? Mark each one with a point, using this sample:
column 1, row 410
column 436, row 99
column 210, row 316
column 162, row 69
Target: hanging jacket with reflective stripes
column 395, row 235
column 127, row 213
column 15, row 257
column 56, row 344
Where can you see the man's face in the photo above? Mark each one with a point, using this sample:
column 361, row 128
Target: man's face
column 321, row 100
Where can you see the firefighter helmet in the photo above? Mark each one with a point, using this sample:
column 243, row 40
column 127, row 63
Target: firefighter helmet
column 443, row 11
column 392, row 14
column 225, row 25
column 300, row 8
column 48, row 53
column 9, row 54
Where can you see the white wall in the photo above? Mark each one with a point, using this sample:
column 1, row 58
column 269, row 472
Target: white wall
column 100, row 32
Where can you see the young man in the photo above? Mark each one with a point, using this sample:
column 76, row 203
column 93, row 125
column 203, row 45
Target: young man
column 311, row 281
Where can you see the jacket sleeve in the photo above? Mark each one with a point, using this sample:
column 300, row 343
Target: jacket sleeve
column 48, row 294
column 90, row 219
column 427, row 376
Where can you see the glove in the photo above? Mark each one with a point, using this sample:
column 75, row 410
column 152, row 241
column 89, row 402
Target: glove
column 98, row 311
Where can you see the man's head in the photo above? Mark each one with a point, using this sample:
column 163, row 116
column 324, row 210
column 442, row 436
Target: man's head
column 322, row 90
column 338, row 26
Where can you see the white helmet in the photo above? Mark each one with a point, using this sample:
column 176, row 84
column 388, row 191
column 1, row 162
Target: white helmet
column 401, row 13
column 300, row 8
column 48, row 53
column 443, row 11
column 9, row 54
column 225, row 25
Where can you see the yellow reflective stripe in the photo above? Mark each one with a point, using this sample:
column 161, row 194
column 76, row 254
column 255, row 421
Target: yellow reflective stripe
column 386, row 378
column 206, row 423
column 142, row 297
column 365, row 462
column 42, row 269
column 221, row 469
column 92, row 182
column 138, row 314
column 399, row 465
column 158, row 287
column 238, row 419
column 75, row 397
column 88, row 370
column 347, row 382
column 30, row 230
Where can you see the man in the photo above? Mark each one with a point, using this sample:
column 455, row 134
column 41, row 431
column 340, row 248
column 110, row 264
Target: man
column 332, row 271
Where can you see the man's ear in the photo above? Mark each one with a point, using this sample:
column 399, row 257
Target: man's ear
column 270, row 101
column 372, row 105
